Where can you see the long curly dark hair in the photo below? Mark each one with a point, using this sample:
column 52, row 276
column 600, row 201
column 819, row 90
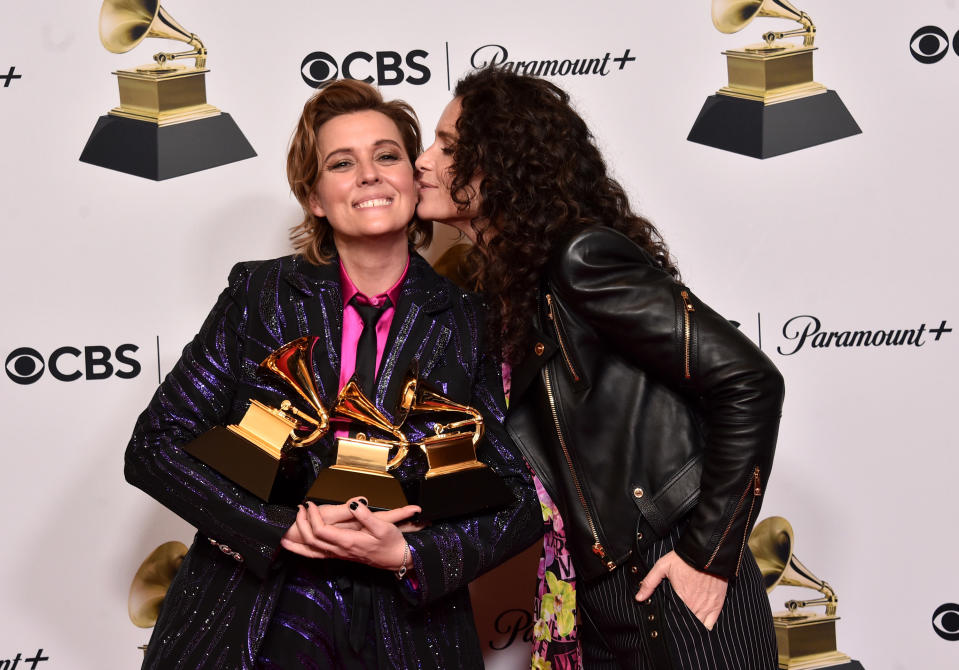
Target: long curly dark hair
column 543, row 180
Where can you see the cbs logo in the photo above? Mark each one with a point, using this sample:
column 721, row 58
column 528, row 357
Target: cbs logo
column 384, row 68
column 67, row 364
column 930, row 44
column 945, row 621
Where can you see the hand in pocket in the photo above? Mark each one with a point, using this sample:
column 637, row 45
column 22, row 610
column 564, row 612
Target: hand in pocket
column 703, row 593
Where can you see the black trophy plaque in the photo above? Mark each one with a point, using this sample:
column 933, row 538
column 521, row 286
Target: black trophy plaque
column 148, row 150
column 751, row 128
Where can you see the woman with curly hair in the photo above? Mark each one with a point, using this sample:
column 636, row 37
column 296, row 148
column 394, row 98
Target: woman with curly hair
column 281, row 586
column 649, row 419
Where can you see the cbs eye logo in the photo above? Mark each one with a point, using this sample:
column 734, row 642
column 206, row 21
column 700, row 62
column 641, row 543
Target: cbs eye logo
column 384, row 68
column 945, row 621
column 931, row 44
column 26, row 365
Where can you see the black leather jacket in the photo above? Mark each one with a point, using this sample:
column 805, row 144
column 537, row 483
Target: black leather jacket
column 640, row 407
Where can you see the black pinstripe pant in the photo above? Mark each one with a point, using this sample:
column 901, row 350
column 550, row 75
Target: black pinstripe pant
column 622, row 634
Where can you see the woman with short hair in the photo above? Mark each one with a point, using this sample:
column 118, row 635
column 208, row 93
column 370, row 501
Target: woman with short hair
column 272, row 586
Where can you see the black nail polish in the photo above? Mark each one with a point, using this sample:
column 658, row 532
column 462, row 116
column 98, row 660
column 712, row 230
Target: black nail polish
column 354, row 505
column 365, row 501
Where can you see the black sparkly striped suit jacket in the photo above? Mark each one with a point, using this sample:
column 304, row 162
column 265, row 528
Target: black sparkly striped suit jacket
column 220, row 603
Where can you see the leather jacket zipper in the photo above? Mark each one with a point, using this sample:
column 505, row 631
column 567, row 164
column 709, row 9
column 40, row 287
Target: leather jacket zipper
column 687, row 330
column 598, row 548
column 755, row 486
column 559, row 336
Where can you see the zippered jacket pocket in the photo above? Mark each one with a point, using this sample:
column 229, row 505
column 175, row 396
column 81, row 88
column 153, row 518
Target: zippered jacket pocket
column 743, row 513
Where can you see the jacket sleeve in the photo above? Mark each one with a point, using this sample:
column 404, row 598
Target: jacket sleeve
column 449, row 555
column 665, row 330
column 193, row 398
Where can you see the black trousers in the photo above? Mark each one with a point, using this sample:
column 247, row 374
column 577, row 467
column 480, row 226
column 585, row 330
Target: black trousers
column 619, row 633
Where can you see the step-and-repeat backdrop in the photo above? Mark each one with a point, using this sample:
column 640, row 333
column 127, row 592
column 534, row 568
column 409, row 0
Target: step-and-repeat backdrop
column 838, row 260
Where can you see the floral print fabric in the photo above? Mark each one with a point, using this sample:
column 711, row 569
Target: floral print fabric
column 555, row 640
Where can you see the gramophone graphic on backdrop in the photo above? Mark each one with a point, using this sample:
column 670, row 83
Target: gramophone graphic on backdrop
column 164, row 126
column 151, row 583
column 806, row 640
column 771, row 105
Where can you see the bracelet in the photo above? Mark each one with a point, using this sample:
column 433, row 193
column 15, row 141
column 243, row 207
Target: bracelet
column 401, row 573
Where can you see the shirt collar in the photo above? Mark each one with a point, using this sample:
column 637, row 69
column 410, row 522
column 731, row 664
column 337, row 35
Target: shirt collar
column 348, row 288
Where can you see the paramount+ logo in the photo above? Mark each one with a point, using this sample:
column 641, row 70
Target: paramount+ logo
column 26, row 365
column 807, row 331
column 383, row 68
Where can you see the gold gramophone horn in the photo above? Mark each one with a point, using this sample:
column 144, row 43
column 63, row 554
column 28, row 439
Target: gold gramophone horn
column 431, row 401
column 151, row 582
column 731, row 16
column 362, row 462
column 416, row 396
column 126, row 23
column 772, row 544
column 292, row 363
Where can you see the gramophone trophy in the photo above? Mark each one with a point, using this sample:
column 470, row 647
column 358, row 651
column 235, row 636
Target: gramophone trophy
column 806, row 640
column 363, row 465
column 456, row 483
column 258, row 453
column 771, row 105
column 164, row 126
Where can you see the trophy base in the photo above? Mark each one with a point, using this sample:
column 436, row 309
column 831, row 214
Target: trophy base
column 147, row 150
column 771, row 74
column 460, row 493
column 163, row 94
column 337, row 484
column 758, row 130
column 245, row 464
column 808, row 642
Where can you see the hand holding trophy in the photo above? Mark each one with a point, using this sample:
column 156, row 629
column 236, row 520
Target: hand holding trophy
column 455, row 484
column 252, row 454
column 363, row 464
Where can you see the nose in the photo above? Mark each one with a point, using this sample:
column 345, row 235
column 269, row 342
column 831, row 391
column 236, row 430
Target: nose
column 368, row 173
column 423, row 162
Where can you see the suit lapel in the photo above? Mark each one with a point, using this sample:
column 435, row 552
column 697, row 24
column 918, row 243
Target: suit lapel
column 416, row 334
column 318, row 310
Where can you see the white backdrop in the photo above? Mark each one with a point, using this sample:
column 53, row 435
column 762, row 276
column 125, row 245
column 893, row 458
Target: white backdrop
column 858, row 233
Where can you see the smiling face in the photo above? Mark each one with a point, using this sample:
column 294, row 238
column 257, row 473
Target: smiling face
column 434, row 176
column 365, row 187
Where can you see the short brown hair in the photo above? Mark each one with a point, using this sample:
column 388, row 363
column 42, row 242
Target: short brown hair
column 313, row 236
